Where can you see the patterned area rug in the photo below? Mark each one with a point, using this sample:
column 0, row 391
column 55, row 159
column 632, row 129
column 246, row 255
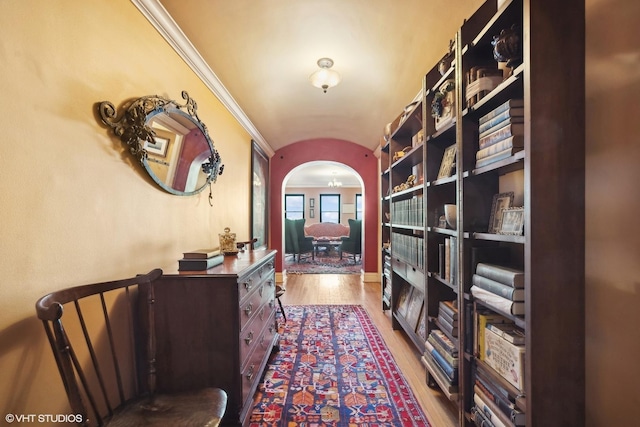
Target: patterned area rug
column 333, row 369
column 323, row 264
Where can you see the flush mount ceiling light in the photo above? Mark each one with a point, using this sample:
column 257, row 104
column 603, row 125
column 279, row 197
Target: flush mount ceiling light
column 325, row 77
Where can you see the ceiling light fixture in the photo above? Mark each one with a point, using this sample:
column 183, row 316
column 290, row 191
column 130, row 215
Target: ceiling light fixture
column 334, row 183
column 325, row 77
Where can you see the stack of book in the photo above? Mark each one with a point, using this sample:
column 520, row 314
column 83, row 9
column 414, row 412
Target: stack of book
column 441, row 355
column 499, row 287
column 448, row 317
column 200, row 259
column 501, row 133
column 495, row 403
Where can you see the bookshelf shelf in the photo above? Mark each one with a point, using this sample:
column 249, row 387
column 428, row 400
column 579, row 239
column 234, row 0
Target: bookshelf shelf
column 546, row 177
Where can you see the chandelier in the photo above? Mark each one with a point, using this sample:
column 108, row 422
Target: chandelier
column 334, row 183
column 325, row 77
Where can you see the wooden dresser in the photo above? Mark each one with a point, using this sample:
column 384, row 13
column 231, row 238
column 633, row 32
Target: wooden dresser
column 217, row 328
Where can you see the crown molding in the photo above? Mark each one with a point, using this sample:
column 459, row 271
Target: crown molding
column 158, row 16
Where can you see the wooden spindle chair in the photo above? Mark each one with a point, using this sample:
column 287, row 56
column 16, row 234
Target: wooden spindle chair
column 107, row 363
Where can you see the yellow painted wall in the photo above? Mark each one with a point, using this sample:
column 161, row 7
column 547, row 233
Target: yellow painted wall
column 74, row 207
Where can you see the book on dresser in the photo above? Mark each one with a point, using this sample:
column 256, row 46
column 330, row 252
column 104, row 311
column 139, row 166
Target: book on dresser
column 506, row 275
column 515, row 308
column 201, row 253
column 194, row 264
column 505, row 291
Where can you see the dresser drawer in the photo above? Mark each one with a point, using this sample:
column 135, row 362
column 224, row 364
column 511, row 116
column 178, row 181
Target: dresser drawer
column 254, row 279
column 253, row 334
column 253, row 366
column 250, row 305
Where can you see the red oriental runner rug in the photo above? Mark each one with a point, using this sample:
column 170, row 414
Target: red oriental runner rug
column 333, row 369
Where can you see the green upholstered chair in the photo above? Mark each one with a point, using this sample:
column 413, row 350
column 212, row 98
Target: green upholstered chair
column 296, row 242
column 305, row 244
column 290, row 238
column 353, row 243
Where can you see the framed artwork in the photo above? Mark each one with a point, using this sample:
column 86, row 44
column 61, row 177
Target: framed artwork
column 162, row 139
column 312, row 202
column 259, row 195
column 512, row 221
column 448, row 159
column 500, row 201
column 311, row 213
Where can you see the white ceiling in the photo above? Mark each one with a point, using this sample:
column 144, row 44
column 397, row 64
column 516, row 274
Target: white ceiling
column 263, row 51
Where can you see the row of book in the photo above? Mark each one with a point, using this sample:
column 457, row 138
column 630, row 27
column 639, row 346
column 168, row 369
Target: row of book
column 499, row 287
column 448, row 260
column 501, row 132
column 408, row 248
column 408, row 212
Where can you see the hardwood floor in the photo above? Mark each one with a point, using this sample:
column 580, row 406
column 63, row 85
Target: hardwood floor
column 350, row 289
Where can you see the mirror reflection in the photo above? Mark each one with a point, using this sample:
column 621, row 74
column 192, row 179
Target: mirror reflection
column 169, row 140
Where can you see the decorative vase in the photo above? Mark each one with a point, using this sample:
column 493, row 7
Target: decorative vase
column 507, row 48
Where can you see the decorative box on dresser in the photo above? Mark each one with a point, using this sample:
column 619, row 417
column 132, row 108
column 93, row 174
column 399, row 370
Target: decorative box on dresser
column 217, row 328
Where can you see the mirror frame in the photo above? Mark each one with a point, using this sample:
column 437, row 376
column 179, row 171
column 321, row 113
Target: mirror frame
column 133, row 129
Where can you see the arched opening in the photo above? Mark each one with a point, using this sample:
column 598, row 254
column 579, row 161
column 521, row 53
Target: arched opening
column 328, row 197
column 359, row 159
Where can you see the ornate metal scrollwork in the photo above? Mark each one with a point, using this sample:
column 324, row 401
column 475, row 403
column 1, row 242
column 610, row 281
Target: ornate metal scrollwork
column 134, row 129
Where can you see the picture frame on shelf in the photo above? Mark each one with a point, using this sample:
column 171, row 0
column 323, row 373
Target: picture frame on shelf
column 500, row 201
column 512, row 221
column 448, row 161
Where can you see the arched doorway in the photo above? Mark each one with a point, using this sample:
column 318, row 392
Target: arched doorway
column 359, row 159
column 328, row 196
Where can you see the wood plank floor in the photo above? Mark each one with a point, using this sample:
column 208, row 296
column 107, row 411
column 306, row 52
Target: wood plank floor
column 350, row 289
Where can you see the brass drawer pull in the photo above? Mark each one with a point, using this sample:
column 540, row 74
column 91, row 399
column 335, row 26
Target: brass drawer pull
column 250, row 373
column 249, row 309
column 249, row 338
column 261, row 290
column 262, row 314
column 248, row 285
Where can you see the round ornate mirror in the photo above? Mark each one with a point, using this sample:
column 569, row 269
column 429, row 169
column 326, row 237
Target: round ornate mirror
column 169, row 140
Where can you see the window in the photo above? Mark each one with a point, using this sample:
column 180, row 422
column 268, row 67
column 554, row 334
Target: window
column 294, row 206
column 330, row 208
column 358, row 206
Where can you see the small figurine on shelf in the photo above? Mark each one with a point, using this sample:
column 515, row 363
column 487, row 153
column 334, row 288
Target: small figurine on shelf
column 228, row 242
